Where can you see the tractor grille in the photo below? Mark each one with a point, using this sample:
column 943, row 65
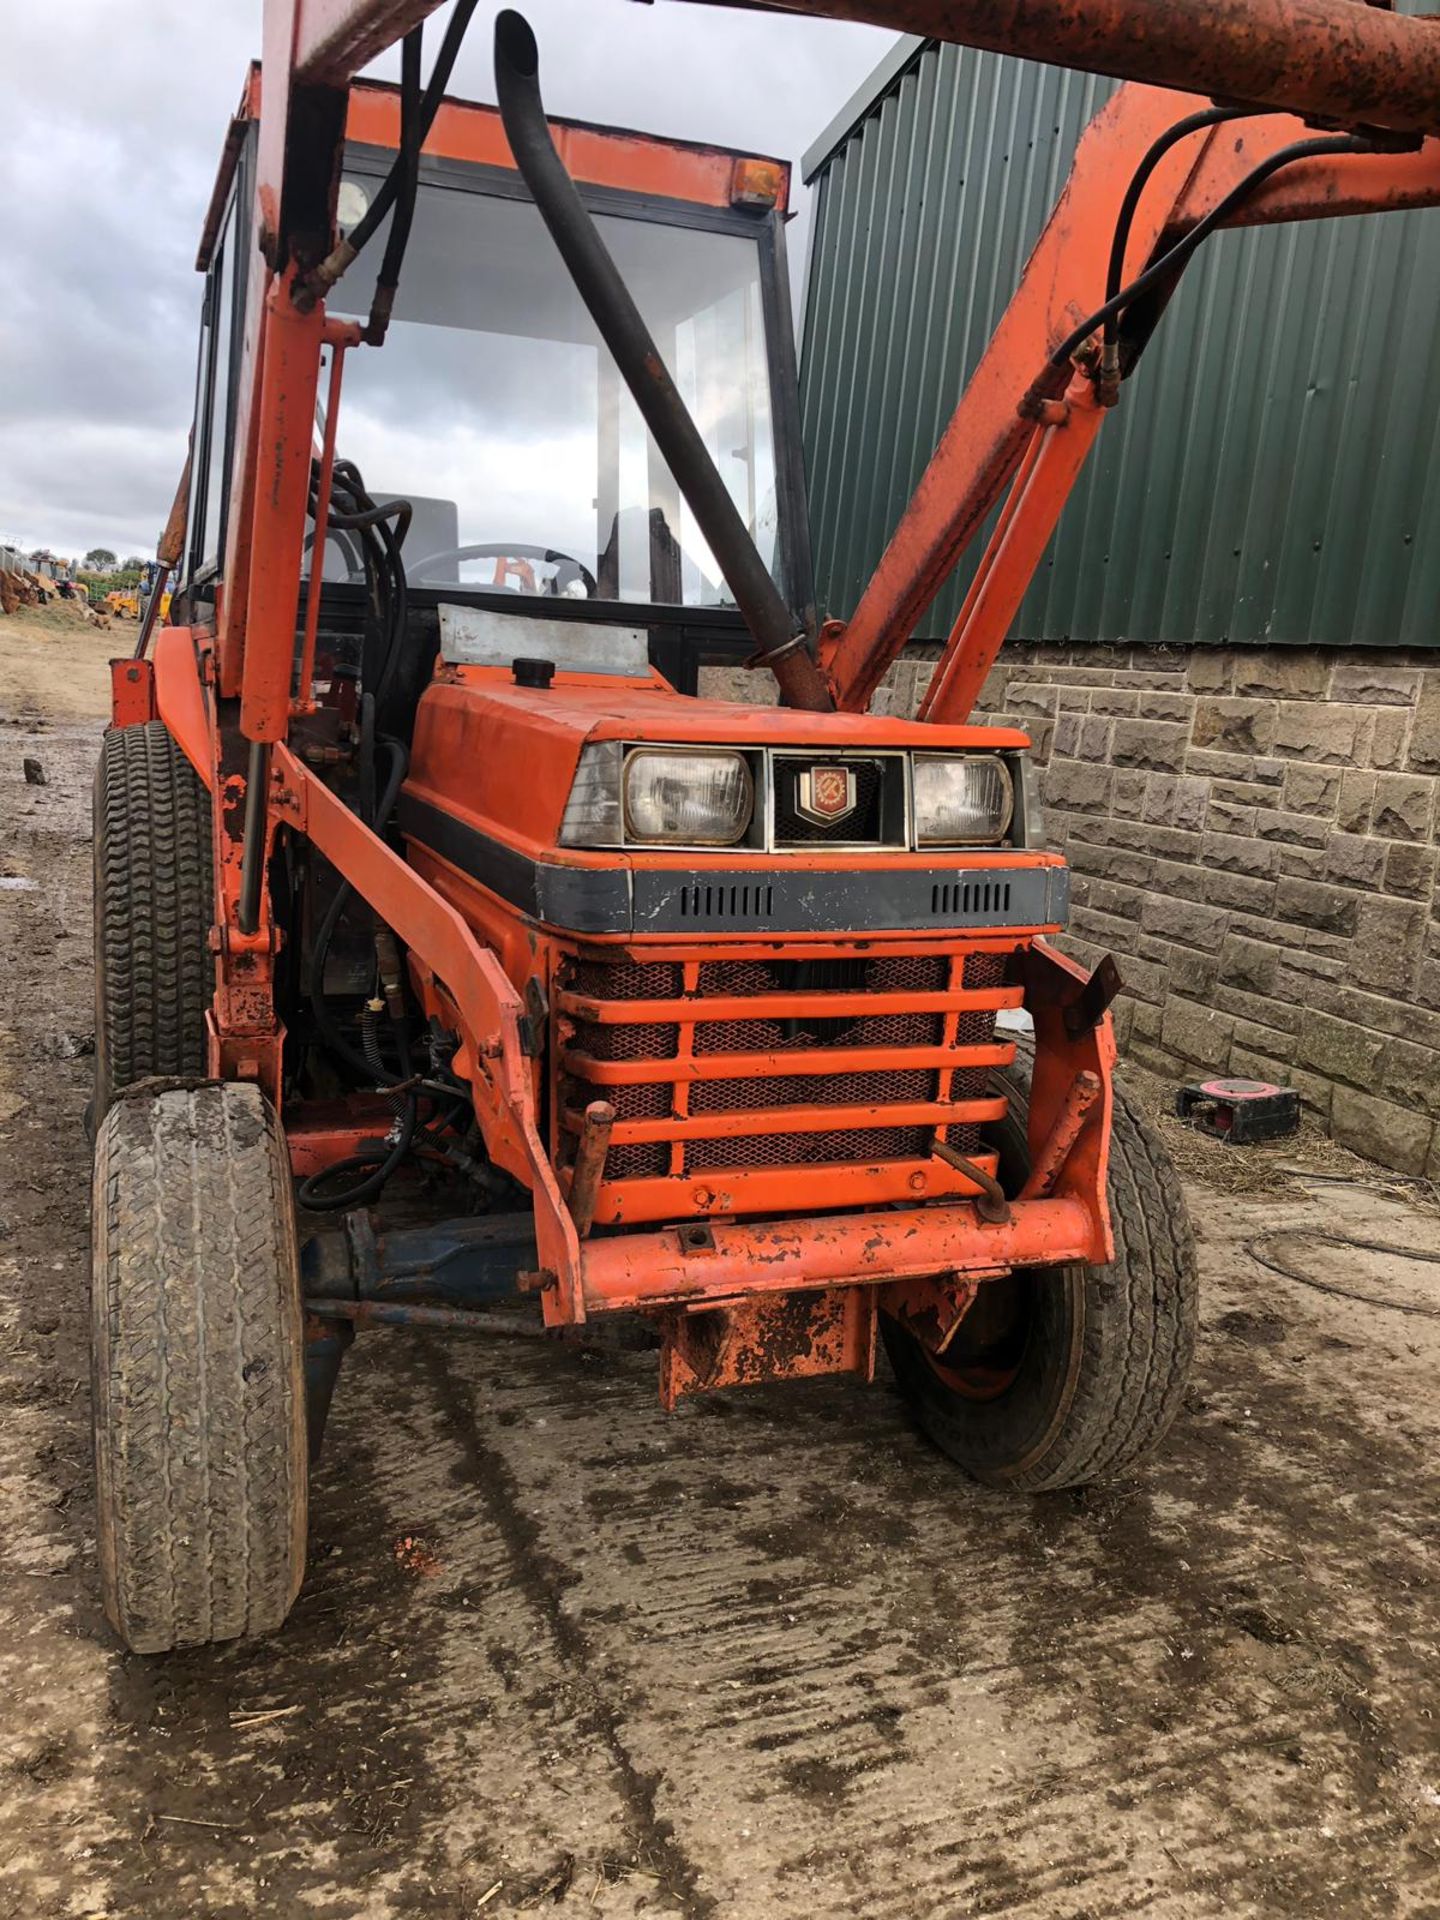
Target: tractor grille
column 720, row 1095
column 862, row 825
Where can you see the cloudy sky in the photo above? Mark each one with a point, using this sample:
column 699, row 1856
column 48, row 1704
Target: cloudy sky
column 112, row 113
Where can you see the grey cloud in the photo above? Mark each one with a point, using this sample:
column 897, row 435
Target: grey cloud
column 108, row 147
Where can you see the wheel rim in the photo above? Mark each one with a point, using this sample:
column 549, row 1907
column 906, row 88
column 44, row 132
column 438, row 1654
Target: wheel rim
column 988, row 1348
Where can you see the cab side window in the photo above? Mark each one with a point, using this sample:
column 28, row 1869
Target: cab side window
column 214, row 408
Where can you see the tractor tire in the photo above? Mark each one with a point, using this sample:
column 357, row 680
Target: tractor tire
column 154, row 976
column 197, row 1367
column 1063, row 1376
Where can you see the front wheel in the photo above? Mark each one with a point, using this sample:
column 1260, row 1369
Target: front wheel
column 1062, row 1376
column 197, row 1367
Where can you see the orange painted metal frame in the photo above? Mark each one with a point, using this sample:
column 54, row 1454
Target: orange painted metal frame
column 989, row 440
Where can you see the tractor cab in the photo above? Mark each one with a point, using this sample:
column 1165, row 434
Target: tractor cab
column 497, row 411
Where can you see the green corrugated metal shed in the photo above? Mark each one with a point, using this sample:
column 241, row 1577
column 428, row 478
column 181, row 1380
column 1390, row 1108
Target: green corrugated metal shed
column 1273, row 471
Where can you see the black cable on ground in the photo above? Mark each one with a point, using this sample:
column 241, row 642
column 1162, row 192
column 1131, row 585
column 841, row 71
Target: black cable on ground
column 1343, row 1240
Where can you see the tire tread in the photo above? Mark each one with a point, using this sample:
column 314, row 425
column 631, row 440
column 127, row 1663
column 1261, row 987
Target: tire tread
column 198, row 1374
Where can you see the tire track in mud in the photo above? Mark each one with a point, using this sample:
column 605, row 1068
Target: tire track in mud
column 543, row 1581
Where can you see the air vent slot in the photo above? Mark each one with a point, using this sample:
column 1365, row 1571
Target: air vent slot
column 710, row 901
column 964, row 899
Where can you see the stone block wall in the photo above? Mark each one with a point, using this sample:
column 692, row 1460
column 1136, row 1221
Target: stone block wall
column 1253, row 834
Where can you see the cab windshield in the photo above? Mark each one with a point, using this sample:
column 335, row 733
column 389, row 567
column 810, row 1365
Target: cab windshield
column 495, row 408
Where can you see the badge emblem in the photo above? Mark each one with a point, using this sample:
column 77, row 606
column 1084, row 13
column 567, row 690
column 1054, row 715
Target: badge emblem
column 825, row 794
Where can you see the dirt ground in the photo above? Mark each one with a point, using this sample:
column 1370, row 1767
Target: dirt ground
column 768, row 1658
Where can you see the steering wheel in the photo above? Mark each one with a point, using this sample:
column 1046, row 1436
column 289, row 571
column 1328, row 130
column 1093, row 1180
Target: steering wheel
column 567, row 567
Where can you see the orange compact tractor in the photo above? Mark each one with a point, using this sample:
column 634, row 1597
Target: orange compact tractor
column 425, row 881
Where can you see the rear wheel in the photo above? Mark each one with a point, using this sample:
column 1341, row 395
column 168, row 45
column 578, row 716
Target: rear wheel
column 1061, row 1376
column 197, row 1367
column 153, row 908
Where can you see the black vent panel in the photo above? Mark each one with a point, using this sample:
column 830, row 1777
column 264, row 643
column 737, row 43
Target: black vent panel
column 969, row 899
column 730, row 903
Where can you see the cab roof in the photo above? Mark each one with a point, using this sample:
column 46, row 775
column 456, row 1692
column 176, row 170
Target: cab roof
column 467, row 130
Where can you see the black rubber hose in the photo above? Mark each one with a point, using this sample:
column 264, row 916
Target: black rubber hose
column 1140, row 179
column 366, row 227
column 1173, row 261
column 781, row 641
column 398, row 238
column 325, row 1020
column 382, row 1163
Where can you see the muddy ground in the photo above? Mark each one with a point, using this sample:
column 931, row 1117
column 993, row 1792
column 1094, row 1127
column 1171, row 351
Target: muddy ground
column 767, row 1657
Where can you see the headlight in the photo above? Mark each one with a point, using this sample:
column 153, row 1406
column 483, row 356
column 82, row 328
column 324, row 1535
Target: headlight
column 961, row 800
column 687, row 798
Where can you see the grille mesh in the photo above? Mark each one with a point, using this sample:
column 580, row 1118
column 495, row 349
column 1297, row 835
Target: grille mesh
column 860, row 825
column 862, row 977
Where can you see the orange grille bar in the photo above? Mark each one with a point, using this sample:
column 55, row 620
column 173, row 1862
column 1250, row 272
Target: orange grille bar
column 763, row 1066
column 730, row 1126
column 785, row 1006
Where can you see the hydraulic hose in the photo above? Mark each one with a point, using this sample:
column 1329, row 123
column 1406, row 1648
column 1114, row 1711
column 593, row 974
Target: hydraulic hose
column 1174, row 260
column 325, row 1020
column 412, row 134
column 1108, row 386
column 320, row 279
column 782, row 644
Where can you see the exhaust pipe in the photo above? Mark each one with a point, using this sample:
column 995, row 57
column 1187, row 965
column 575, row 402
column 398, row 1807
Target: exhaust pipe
column 780, row 646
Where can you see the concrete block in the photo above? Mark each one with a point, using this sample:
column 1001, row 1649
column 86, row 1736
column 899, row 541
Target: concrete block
column 1283, row 673
column 1234, row 726
column 1339, row 1050
column 1404, row 806
column 1311, row 789
column 1395, row 1136
column 1157, row 745
column 1311, row 731
column 1308, row 903
column 1197, row 1033
column 1357, row 801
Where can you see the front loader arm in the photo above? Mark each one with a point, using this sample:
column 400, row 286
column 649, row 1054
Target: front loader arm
column 1005, row 430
